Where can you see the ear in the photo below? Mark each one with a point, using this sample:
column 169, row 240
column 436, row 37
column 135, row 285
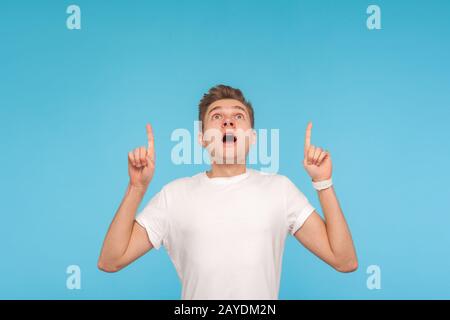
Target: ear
column 200, row 139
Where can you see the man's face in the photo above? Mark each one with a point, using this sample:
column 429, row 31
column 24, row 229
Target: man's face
column 227, row 131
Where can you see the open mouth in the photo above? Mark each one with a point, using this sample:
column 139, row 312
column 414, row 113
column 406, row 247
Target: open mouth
column 229, row 138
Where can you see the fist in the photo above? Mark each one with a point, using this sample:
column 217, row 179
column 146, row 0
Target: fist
column 141, row 162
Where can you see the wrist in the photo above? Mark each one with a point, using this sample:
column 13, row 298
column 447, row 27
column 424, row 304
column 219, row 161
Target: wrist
column 137, row 188
column 320, row 179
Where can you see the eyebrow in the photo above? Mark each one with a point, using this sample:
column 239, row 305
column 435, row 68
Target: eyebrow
column 235, row 107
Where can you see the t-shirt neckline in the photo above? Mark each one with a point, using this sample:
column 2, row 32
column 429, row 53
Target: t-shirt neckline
column 226, row 180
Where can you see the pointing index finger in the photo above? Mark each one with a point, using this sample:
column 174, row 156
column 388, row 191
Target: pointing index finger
column 150, row 136
column 308, row 137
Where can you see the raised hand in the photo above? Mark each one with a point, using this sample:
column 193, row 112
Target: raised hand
column 317, row 161
column 141, row 162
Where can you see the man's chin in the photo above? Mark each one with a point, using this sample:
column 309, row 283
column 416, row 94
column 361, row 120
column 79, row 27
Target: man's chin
column 229, row 156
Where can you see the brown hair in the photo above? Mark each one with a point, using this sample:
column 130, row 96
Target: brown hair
column 223, row 92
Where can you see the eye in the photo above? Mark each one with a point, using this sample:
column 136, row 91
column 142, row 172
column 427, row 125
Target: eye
column 239, row 116
column 216, row 116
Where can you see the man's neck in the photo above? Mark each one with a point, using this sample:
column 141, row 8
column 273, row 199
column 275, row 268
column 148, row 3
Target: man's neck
column 226, row 170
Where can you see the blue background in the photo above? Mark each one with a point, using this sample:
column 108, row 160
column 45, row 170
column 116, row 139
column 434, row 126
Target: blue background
column 73, row 103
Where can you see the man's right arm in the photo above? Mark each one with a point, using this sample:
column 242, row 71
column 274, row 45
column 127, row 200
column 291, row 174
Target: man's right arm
column 126, row 240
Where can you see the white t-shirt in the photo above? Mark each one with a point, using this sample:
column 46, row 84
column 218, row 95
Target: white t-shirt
column 226, row 235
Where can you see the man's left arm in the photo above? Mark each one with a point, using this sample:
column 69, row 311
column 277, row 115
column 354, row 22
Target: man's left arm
column 330, row 240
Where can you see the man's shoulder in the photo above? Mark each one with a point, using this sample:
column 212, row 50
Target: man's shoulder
column 273, row 177
column 182, row 181
column 278, row 182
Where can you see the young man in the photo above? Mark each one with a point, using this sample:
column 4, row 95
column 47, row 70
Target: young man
column 225, row 229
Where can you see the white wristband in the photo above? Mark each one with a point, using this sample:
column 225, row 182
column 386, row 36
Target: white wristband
column 324, row 184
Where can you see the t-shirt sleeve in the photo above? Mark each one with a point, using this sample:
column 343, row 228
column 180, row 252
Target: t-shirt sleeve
column 298, row 208
column 154, row 219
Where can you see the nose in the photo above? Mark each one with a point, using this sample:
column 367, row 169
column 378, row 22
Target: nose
column 227, row 123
